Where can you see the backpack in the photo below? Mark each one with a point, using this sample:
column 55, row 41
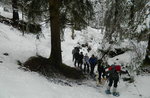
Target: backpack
column 113, row 71
column 116, row 67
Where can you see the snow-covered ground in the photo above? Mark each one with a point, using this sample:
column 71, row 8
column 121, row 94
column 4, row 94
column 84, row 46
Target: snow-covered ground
column 9, row 11
column 17, row 83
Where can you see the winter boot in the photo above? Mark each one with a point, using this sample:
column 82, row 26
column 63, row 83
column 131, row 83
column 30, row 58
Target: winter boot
column 108, row 90
column 115, row 93
column 114, row 89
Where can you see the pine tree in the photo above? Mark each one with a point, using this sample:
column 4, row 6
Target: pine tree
column 123, row 17
column 58, row 10
column 126, row 19
column 55, row 56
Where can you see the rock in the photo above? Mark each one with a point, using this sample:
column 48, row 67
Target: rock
column 6, row 54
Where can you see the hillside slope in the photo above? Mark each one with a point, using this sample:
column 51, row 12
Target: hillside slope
column 17, row 83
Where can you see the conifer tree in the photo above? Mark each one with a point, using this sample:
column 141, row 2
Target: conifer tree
column 61, row 13
column 126, row 19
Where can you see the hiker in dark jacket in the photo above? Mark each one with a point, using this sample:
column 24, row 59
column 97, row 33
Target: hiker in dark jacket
column 76, row 60
column 113, row 78
column 74, row 51
column 101, row 70
column 80, row 60
column 93, row 62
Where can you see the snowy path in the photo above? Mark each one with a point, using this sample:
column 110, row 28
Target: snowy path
column 16, row 83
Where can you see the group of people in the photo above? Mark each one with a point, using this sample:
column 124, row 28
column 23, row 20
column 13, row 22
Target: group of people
column 111, row 73
column 80, row 59
column 88, row 63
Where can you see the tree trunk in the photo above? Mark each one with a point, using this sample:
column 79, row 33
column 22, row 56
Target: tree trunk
column 15, row 12
column 132, row 12
column 55, row 56
column 147, row 57
column 72, row 29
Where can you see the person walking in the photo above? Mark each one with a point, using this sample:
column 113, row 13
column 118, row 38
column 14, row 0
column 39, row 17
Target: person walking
column 101, row 71
column 93, row 62
column 80, row 60
column 74, row 51
column 75, row 54
column 113, row 78
column 86, row 63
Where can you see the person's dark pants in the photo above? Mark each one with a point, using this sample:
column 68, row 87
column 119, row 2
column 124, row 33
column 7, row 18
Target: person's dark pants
column 99, row 75
column 86, row 67
column 92, row 69
column 111, row 81
column 76, row 61
column 73, row 57
column 80, row 64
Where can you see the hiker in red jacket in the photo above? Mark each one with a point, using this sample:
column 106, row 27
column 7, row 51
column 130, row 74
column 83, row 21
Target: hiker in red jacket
column 113, row 78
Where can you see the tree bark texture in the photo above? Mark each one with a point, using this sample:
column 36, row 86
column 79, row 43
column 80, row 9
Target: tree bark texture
column 55, row 56
column 147, row 57
column 15, row 12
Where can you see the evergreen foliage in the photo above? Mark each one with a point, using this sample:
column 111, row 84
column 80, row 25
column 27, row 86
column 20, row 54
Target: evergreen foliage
column 123, row 18
column 41, row 65
column 60, row 13
column 71, row 72
column 72, row 12
column 126, row 19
